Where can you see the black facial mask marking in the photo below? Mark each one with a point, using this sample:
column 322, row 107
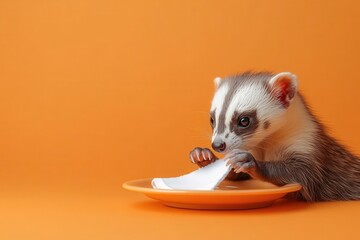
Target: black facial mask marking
column 244, row 131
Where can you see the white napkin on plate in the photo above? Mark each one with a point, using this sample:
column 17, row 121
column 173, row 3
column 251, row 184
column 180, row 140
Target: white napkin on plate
column 205, row 178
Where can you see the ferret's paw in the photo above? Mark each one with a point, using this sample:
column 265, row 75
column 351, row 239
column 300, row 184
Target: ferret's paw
column 202, row 156
column 241, row 161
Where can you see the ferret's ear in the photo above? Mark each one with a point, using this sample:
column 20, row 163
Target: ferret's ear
column 217, row 82
column 284, row 87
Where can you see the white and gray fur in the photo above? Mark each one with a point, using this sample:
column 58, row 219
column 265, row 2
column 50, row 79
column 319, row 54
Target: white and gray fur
column 286, row 140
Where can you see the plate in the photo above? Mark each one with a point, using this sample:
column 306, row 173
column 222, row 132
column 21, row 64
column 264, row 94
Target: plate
column 228, row 195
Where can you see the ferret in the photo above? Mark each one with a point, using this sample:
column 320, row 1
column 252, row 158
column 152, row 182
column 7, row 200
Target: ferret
column 263, row 125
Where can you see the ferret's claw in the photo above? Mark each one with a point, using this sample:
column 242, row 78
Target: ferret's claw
column 209, row 156
column 191, row 158
column 203, row 154
column 198, row 155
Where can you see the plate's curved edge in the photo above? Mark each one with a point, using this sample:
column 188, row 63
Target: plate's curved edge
column 233, row 206
column 287, row 188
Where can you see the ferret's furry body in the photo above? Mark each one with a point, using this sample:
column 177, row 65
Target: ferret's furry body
column 262, row 123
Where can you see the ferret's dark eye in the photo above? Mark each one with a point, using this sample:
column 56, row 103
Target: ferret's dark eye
column 244, row 122
column 212, row 121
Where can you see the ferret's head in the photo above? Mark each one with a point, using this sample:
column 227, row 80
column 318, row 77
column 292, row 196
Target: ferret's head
column 249, row 107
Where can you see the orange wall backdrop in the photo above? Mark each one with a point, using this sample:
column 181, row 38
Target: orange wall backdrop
column 93, row 93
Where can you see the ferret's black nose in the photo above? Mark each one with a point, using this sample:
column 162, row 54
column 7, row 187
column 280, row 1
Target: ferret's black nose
column 218, row 146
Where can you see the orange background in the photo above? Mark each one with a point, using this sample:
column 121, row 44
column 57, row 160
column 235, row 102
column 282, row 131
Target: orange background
column 94, row 93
